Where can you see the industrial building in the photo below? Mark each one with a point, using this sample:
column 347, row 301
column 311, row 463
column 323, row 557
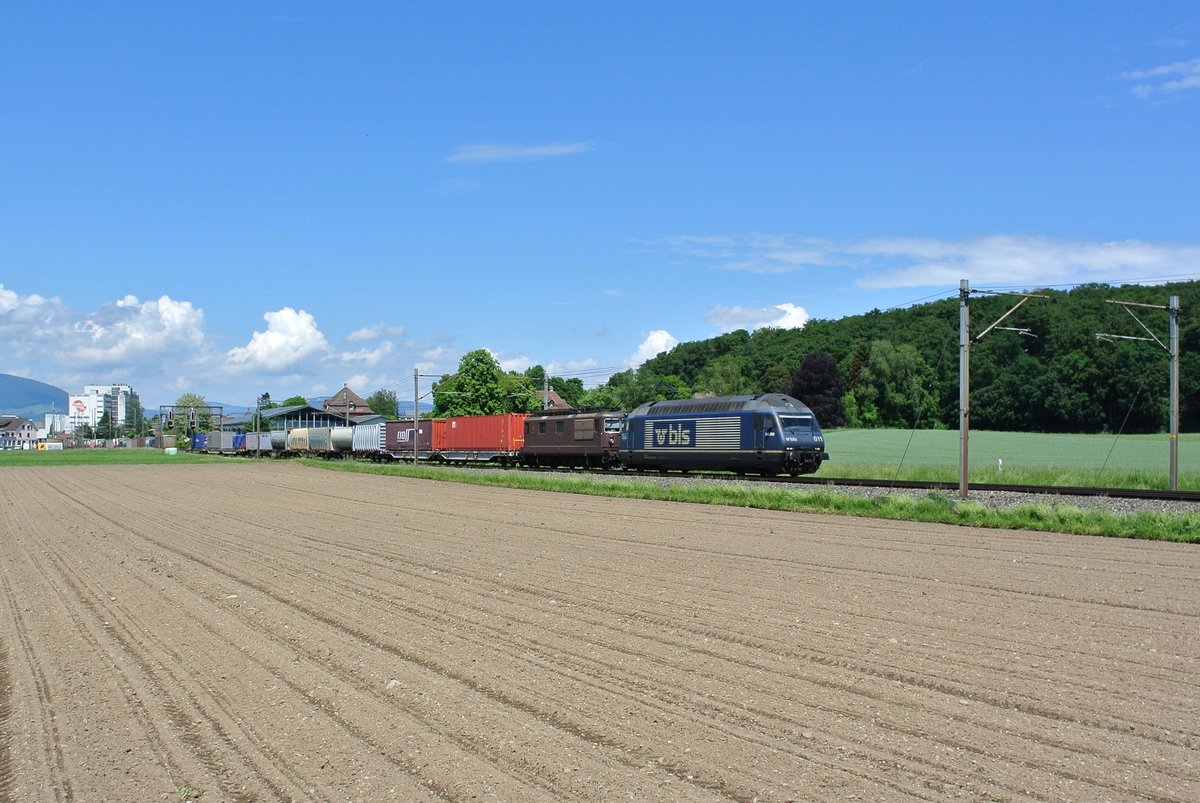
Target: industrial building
column 96, row 400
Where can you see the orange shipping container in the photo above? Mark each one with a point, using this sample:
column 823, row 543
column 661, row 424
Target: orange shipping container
column 486, row 434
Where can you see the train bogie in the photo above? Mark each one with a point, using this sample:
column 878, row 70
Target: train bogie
column 765, row 434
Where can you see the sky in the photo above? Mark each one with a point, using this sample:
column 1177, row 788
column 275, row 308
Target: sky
column 286, row 197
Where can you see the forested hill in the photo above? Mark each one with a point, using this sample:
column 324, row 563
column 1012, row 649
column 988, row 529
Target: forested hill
column 29, row 398
column 901, row 367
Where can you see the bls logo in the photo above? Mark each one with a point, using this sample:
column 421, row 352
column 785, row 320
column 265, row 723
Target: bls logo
column 673, row 435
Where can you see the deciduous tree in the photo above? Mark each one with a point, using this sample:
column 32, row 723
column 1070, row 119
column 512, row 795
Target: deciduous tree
column 818, row 383
column 385, row 403
column 474, row 390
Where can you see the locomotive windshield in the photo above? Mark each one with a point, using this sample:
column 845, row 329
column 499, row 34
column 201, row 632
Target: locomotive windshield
column 612, row 425
column 799, row 423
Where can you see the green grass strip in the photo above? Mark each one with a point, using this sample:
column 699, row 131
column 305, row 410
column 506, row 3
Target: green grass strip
column 1055, row 518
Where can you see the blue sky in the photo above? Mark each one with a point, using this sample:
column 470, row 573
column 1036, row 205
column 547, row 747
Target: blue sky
column 232, row 198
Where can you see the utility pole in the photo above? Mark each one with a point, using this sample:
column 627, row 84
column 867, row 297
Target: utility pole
column 964, row 384
column 964, row 369
column 1174, row 385
column 416, row 418
column 1172, row 350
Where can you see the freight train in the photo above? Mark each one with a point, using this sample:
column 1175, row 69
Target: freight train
column 765, row 434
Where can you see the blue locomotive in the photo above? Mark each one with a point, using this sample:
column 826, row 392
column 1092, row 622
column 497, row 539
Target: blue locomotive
column 768, row 434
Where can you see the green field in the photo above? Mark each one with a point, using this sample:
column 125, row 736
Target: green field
column 1132, row 461
column 102, row 457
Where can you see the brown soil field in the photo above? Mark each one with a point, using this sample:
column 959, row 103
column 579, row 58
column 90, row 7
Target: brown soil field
column 267, row 631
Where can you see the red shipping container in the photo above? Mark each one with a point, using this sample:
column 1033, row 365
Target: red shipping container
column 486, row 434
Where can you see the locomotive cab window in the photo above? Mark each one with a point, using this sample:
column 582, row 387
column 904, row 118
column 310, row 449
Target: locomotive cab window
column 798, row 423
column 612, row 425
column 559, row 427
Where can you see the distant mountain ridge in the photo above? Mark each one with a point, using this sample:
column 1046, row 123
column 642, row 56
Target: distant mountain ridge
column 29, row 398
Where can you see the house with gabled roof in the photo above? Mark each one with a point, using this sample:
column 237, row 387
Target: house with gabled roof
column 349, row 404
column 17, row 433
column 552, row 401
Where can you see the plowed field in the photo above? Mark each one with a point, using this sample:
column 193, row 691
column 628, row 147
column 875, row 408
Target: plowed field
column 267, row 631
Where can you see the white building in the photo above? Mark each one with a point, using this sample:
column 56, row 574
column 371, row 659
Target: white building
column 57, row 423
column 96, row 400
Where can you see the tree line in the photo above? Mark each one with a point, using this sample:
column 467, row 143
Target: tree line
column 900, row 368
column 895, row 368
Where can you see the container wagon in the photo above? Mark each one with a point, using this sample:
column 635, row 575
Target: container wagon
column 481, row 438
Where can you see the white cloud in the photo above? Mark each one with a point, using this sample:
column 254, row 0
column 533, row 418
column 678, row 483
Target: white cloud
column 656, row 342
column 489, row 152
column 130, row 329
column 1010, row 260
column 371, row 357
column 8, row 300
column 755, row 253
column 517, row 362
column 375, row 332
column 1025, row 261
column 126, row 339
column 292, row 337
column 1168, row 79
column 779, row 316
column 366, row 384
column 572, row 366
column 30, row 322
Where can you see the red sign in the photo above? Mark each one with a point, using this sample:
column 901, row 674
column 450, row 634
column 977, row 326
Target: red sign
column 79, row 406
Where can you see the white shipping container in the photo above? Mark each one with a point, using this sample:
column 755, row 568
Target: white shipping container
column 297, row 440
column 368, row 438
column 341, row 438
